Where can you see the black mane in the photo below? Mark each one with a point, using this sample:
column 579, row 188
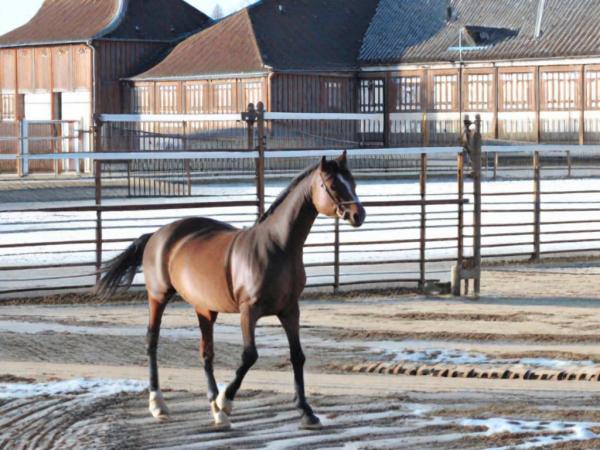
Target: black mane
column 295, row 182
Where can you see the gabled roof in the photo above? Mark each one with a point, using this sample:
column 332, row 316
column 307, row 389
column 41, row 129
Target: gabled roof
column 228, row 46
column 283, row 35
column 66, row 21
column 413, row 31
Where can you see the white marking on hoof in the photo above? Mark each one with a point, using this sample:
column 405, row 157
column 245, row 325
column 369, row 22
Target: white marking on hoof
column 221, row 420
column 224, row 403
column 157, row 406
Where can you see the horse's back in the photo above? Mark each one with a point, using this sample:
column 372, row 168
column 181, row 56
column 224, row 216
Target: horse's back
column 173, row 252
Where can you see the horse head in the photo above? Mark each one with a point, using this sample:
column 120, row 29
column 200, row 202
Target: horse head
column 335, row 192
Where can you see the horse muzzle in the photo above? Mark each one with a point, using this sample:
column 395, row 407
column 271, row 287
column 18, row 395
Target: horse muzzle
column 354, row 216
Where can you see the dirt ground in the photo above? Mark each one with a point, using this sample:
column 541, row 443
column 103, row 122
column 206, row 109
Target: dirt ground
column 542, row 318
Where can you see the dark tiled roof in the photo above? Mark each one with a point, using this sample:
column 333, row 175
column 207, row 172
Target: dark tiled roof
column 80, row 20
column 166, row 20
column 306, row 35
column 312, row 34
column 418, row 31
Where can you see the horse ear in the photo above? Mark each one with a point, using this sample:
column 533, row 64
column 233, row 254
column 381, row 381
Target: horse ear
column 342, row 160
column 323, row 165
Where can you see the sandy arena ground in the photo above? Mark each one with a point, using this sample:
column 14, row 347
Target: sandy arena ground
column 535, row 318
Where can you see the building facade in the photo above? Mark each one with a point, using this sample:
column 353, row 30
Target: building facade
column 68, row 61
column 529, row 68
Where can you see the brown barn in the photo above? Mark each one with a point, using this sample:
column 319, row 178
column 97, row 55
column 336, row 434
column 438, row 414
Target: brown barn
column 67, row 62
column 294, row 55
column 530, row 68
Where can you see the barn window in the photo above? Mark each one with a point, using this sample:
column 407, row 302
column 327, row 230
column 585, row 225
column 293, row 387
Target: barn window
column 167, row 99
column 252, row 93
column 140, row 100
column 559, row 90
column 223, row 98
column 7, row 107
column 371, row 96
column 444, row 87
column 517, row 89
column 333, row 95
column 479, row 89
column 194, row 95
column 593, row 89
column 408, row 93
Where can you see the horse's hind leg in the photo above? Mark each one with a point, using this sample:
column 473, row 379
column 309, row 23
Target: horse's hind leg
column 156, row 403
column 206, row 320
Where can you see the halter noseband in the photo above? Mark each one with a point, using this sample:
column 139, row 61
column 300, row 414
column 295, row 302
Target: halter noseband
column 340, row 207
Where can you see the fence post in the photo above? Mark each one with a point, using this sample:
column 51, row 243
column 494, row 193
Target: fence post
column 457, row 270
column 476, row 162
column 336, row 256
column 98, row 192
column 569, row 164
column 260, row 162
column 423, row 234
column 496, row 164
column 537, row 207
column 24, row 147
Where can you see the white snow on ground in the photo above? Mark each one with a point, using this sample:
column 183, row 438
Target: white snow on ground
column 565, row 431
column 90, row 388
column 397, row 351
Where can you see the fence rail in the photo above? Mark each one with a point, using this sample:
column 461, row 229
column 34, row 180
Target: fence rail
column 412, row 237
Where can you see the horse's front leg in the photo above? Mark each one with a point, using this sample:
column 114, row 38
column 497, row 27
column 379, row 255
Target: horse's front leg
column 248, row 318
column 291, row 324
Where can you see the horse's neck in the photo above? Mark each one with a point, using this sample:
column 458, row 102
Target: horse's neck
column 289, row 225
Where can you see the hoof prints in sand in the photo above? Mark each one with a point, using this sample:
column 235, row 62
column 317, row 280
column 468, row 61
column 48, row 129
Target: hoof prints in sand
column 259, row 421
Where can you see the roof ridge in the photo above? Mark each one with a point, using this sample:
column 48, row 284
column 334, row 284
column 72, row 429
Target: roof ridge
column 117, row 20
column 256, row 45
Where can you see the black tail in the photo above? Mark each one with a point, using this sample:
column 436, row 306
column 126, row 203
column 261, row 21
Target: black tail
column 120, row 271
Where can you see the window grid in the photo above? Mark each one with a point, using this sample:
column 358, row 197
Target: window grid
column 408, row 93
column 252, row 93
column 443, row 92
column 333, row 90
column 167, row 96
column 7, row 107
column 223, row 98
column 593, row 89
column 560, row 90
column 478, row 92
column 371, row 96
column 194, row 94
column 140, row 100
column 516, row 91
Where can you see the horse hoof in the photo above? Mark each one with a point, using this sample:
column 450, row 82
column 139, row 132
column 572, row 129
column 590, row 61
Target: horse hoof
column 310, row 422
column 222, row 422
column 221, row 419
column 157, row 406
column 224, row 403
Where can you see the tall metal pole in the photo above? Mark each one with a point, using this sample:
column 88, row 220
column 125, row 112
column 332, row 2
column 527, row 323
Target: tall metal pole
column 260, row 162
column 457, row 271
column 98, row 192
column 537, row 206
column 476, row 162
column 423, row 227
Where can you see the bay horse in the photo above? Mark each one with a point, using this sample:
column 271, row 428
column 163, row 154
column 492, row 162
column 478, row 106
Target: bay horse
column 256, row 272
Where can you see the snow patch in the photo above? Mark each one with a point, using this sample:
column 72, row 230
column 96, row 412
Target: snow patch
column 95, row 388
column 565, row 431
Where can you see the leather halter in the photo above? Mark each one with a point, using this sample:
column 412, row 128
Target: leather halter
column 340, row 207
